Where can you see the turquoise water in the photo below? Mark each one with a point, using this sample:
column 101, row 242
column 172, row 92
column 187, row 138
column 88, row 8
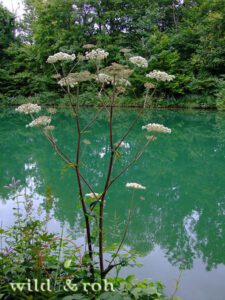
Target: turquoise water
column 178, row 221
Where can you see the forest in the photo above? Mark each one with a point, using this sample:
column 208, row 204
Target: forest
column 184, row 38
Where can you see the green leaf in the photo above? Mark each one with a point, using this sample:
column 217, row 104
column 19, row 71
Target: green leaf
column 111, row 296
column 74, row 297
column 150, row 291
column 136, row 292
column 67, row 263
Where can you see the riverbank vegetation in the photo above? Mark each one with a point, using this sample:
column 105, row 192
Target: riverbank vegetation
column 184, row 38
column 37, row 264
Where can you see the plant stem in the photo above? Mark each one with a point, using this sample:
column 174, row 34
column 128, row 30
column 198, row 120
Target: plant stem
column 87, row 223
column 59, row 255
column 101, row 256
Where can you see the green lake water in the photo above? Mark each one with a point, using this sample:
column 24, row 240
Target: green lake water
column 178, row 221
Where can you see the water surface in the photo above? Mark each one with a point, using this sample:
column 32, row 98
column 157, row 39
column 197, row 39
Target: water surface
column 178, row 221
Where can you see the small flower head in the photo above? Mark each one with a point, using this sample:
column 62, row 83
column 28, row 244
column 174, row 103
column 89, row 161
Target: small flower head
column 98, row 54
column 60, row 56
column 123, row 145
column 88, row 46
column 151, row 138
column 154, row 127
column 139, row 61
column 51, row 110
column 68, row 81
column 123, row 82
column 92, row 195
column 56, row 76
column 73, row 79
column 103, row 78
column 118, row 71
column 135, row 185
column 149, row 85
column 28, row 108
column 160, row 76
column 125, row 50
column 86, row 142
column 40, row 121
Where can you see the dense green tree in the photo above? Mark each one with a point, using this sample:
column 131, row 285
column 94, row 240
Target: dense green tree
column 185, row 38
column 7, row 28
column 7, row 36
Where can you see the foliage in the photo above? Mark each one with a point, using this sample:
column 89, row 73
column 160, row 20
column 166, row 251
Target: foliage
column 31, row 252
column 185, row 39
column 7, row 27
column 220, row 101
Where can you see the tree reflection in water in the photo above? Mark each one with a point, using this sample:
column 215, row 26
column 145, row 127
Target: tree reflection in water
column 183, row 208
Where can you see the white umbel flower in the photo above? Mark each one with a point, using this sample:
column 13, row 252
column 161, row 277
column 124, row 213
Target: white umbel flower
column 123, row 82
column 40, row 121
column 139, row 61
column 123, row 145
column 154, row 127
column 151, row 138
column 103, row 78
column 88, row 46
column 98, row 54
column 149, row 85
column 160, row 76
column 51, row 110
column 92, row 195
column 60, row 56
column 68, row 81
column 28, row 108
column 135, row 185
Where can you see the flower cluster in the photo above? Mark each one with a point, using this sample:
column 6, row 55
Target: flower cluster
column 51, row 110
column 88, row 46
column 139, row 61
column 98, row 54
column 151, row 138
column 60, row 56
column 72, row 79
column 104, row 78
column 123, row 145
column 68, row 81
column 154, row 127
column 125, row 50
column 93, row 195
column 40, row 121
column 118, row 71
column 123, row 82
column 28, row 108
column 86, row 142
column 56, row 76
column 149, row 85
column 135, row 185
column 160, row 76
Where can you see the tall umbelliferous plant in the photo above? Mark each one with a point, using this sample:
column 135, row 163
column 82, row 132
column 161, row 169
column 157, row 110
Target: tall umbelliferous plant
column 112, row 81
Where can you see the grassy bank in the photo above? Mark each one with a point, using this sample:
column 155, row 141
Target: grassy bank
column 89, row 99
